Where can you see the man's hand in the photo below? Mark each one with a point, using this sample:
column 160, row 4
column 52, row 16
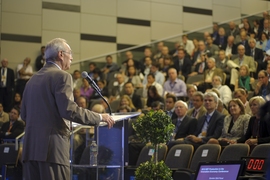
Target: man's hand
column 194, row 138
column 108, row 119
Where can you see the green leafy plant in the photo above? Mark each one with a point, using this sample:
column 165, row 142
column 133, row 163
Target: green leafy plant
column 155, row 127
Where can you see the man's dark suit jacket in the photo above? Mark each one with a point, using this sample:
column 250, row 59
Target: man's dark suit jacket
column 187, row 127
column 10, row 78
column 186, row 67
column 137, row 102
column 215, row 126
column 197, row 67
column 16, row 130
column 247, row 48
column 218, row 42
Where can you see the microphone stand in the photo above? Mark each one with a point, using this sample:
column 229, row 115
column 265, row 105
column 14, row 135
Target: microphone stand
column 96, row 88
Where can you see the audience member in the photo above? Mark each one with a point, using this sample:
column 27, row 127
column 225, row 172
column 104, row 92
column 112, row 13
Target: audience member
column 184, row 124
column 242, row 94
column 261, row 44
column 174, row 85
column 110, row 67
column 7, row 85
column 86, row 90
column 170, row 100
column 257, row 55
column 167, row 64
column 197, row 55
column 196, row 47
column 151, row 82
column 12, row 128
column 229, row 48
column 210, row 125
column 92, row 66
column 243, row 41
column 182, row 64
column 208, row 75
column 221, row 62
column 265, row 27
column 76, row 93
column 263, row 86
column 235, row 124
column 136, row 99
column 125, row 100
column 201, row 65
column 233, row 30
column 258, row 130
column 221, row 39
column 147, row 53
column 158, row 53
column 4, row 117
column 236, row 63
column 213, row 48
column 244, row 80
column 188, row 44
column 198, row 109
column 256, row 27
column 103, row 90
column 17, row 100
column 40, row 60
column 221, row 109
column 77, row 80
column 191, row 89
column 98, row 108
column 159, row 77
column 224, row 91
column 118, row 87
column 215, row 34
column 174, row 51
column 133, row 77
column 82, row 102
column 25, row 72
column 152, row 96
column 146, row 66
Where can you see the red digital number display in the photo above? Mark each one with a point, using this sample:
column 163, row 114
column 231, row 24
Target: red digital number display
column 255, row 164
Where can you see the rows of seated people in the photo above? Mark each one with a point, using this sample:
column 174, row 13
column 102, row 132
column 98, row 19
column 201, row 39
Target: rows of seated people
column 230, row 64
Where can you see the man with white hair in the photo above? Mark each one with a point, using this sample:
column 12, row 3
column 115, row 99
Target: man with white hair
column 208, row 75
column 224, row 91
column 184, row 124
column 210, row 125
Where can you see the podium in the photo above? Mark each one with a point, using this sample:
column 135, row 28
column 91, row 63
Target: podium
column 112, row 151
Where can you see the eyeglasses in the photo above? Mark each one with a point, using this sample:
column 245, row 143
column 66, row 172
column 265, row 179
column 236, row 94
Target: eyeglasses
column 70, row 53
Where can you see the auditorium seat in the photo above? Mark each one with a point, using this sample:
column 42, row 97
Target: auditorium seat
column 234, row 152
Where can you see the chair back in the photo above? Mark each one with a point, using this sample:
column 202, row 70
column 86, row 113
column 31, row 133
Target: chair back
column 234, row 152
column 261, row 150
column 205, row 153
column 148, row 151
column 193, row 79
column 179, row 156
column 8, row 154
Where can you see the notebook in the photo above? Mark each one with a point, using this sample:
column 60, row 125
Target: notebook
column 225, row 170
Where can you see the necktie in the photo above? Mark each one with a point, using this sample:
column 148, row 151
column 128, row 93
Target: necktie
column 3, row 77
column 195, row 113
column 208, row 118
column 177, row 125
column 251, row 53
column 10, row 126
column 201, row 68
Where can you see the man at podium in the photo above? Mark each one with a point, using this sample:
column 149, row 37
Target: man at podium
column 48, row 109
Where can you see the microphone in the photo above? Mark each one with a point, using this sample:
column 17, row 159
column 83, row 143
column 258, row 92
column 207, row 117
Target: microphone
column 90, row 80
column 96, row 88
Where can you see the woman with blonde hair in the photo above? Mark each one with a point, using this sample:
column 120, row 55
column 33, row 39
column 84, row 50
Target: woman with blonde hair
column 258, row 131
column 235, row 124
column 125, row 100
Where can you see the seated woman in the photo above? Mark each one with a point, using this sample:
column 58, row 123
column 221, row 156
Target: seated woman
column 133, row 77
column 126, row 101
column 244, row 81
column 152, row 96
column 86, row 90
column 258, row 131
column 17, row 100
column 235, row 124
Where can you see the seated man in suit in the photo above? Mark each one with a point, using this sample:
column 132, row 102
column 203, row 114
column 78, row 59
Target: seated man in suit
column 236, row 63
column 170, row 100
column 136, row 99
column 118, row 87
column 182, row 63
column 14, row 127
column 184, row 124
column 210, row 125
column 208, row 75
column 198, row 110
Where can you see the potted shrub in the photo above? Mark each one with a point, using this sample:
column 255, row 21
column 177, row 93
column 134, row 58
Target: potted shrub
column 155, row 127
